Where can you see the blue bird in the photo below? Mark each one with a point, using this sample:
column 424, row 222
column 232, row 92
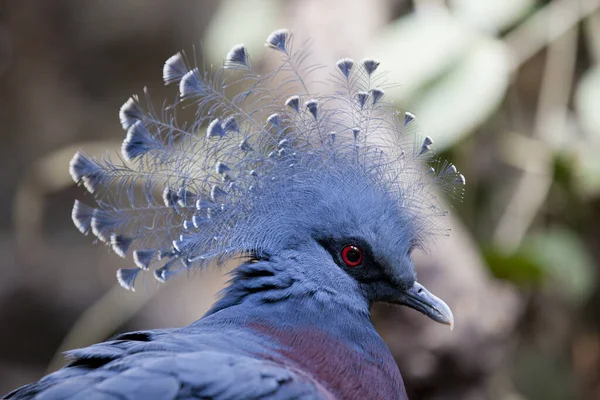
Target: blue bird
column 325, row 196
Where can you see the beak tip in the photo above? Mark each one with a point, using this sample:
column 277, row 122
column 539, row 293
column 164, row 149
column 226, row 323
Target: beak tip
column 449, row 318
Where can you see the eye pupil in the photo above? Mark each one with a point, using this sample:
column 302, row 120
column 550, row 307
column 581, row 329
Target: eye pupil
column 352, row 256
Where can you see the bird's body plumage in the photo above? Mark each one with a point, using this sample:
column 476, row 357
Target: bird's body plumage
column 326, row 195
column 246, row 347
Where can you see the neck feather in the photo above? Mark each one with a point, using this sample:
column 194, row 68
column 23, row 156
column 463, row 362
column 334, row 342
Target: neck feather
column 284, row 283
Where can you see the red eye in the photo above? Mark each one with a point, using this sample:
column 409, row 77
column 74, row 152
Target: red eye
column 352, row 256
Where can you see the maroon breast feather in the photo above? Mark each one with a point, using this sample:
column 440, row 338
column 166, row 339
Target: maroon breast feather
column 342, row 370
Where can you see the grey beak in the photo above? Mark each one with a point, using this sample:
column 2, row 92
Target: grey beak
column 422, row 300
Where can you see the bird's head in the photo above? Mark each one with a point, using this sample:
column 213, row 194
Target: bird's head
column 366, row 225
column 273, row 170
column 374, row 248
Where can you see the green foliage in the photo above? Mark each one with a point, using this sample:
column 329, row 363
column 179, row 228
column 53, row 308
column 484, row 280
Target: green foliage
column 555, row 256
column 516, row 267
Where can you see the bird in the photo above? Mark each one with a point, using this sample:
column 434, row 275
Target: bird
column 321, row 196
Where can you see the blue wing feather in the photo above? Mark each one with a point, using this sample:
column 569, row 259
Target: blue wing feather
column 169, row 365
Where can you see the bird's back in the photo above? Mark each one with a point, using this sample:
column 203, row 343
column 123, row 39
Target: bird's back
column 177, row 364
column 223, row 356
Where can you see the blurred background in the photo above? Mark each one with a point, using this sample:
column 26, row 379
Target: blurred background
column 508, row 89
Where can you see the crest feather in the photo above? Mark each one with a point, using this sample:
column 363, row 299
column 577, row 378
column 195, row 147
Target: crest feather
column 274, row 166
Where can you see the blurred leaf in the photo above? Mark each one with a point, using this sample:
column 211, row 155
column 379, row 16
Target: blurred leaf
column 466, row 96
column 463, row 74
column 588, row 173
column 587, row 100
column 565, row 259
column 563, row 169
column 248, row 22
column 491, row 15
column 419, row 47
column 516, row 267
column 556, row 255
column 591, row 26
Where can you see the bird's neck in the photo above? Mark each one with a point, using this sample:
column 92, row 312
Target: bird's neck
column 282, row 294
column 325, row 334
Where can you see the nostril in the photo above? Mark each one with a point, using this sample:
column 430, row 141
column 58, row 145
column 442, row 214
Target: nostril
column 420, row 291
